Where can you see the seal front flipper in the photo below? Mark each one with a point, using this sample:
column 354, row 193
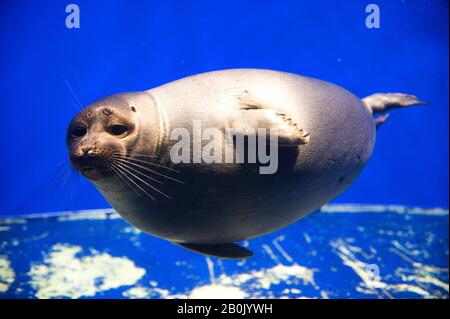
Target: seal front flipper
column 254, row 114
column 228, row 250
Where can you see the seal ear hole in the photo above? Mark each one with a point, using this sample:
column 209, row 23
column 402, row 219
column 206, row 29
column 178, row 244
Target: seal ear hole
column 133, row 109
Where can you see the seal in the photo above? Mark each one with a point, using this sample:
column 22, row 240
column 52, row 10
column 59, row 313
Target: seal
column 128, row 145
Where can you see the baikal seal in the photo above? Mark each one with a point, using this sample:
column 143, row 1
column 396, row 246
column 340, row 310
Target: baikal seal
column 225, row 156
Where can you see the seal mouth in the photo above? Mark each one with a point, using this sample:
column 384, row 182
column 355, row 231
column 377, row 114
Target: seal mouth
column 95, row 172
column 92, row 167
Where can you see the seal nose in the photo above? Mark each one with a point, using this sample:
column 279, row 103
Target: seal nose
column 86, row 151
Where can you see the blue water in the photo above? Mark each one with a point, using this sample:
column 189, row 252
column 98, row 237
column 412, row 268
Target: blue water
column 122, row 46
column 365, row 254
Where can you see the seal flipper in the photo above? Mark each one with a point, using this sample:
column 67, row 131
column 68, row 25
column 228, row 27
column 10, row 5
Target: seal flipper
column 380, row 120
column 382, row 102
column 228, row 250
column 255, row 114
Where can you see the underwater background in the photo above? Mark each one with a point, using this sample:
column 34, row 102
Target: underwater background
column 385, row 237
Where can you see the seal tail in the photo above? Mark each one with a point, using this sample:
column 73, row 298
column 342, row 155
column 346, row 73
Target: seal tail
column 227, row 251
column 380, row 103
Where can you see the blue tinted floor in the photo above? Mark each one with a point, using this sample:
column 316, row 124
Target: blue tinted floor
column 343, row 251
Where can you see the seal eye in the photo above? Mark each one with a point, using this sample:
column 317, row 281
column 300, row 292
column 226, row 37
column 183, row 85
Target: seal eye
column 79, row 131
column 118, row 129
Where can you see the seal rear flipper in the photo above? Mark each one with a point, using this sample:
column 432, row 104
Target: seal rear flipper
column 228, row 251
column 380, row 120
column 382, row 102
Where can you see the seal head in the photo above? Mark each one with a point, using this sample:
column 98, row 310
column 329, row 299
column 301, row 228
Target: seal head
column 108, row 129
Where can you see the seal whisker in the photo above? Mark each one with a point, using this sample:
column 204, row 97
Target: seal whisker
column 134, row 153
column 119, row 173
column 135, row 170
column 75, row 105
column 73, row 93
column 131, row 180
column 146, row 162
column 149, row 170
column 133, row 149
column 78, row 83
column 66, row 176
column 140, row 179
